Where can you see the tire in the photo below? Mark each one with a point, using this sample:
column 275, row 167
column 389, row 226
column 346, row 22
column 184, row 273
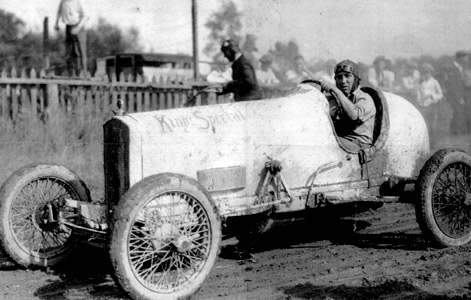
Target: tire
column 157, row 254
column 444, row 189
column 24, row 237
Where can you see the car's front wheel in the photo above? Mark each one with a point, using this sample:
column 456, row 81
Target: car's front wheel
column 29, row 232
column 165, row 239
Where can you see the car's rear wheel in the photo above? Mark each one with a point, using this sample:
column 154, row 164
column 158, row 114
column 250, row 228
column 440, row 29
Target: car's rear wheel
column 444, row 189
column 165, row 239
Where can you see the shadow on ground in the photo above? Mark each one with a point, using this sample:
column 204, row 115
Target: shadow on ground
column 388, row 289
column 332, row 223
column 83, row 275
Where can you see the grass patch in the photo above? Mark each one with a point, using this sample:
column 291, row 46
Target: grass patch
column 67, row 140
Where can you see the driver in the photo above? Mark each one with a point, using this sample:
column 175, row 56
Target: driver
column 352, row 110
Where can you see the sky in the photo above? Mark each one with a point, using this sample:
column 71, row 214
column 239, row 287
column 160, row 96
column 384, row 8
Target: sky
column 355, row 29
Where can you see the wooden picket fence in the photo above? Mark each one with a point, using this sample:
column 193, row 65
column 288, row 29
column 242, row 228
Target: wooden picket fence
column 34, row 95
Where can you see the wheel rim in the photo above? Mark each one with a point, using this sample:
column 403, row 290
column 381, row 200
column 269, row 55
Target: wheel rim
column 169, row 242
column 452, row 200
column 28, row 232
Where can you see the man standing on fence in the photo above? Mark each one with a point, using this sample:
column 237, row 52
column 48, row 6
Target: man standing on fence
column 244, row 83
column 73, row 16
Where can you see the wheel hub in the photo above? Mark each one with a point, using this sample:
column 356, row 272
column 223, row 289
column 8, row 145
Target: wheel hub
column 169, row 234
column 183, row 243
column 164, row 234
column 42, row 217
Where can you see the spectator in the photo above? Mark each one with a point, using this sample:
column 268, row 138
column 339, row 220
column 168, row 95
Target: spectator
column 410, row 83
column 220, row 74
column 265, row 74
column 244, row 84
column 380, row 76
column 430, row 94
column 456, row 92
column 300, row 71
column 74, row 17
column 250, row 49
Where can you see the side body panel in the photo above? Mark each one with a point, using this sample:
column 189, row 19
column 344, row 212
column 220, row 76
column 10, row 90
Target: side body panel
column 226, row 146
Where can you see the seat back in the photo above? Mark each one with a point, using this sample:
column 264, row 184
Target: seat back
column 381, row 126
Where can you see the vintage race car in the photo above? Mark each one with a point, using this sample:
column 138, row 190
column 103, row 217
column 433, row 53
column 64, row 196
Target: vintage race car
column 173, row 177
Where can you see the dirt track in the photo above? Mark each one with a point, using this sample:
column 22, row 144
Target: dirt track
column 378, row 253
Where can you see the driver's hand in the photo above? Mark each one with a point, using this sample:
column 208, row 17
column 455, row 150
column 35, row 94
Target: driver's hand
column 218, row 89
column 327, row 86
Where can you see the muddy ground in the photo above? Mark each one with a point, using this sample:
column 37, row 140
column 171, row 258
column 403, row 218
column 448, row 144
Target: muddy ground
column 356, row 251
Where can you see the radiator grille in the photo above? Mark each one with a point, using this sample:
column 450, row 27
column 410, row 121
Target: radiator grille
column 116, row 161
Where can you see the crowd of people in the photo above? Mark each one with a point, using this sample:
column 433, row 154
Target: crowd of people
column 423, row 84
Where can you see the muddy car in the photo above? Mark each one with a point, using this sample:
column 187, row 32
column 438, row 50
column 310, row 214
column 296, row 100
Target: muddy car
column 174, row 178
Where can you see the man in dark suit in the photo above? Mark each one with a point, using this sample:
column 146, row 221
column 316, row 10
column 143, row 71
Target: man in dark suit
column 244, row 83
column 455, row 93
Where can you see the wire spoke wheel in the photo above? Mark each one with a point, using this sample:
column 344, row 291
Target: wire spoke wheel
column 169, row 240
column 444, row 188
column 28, row 228
column 30, row 233
column 165, row 238
column 452, row 200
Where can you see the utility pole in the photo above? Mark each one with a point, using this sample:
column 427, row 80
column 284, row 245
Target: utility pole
column 194, row 13
column 46, row 63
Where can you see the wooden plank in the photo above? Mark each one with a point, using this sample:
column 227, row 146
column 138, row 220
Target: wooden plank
column 139, row 100
column 24, row 105
column 5, row 97
column 168, row 99
column 34, row 102
column 34, row 96
column 89, row 104
column 14, row 101
column 147, row 100
column 131, row 101
column 162, row 100
column 154, row 103
column 122, row 97
column 114, row 99
column 80, row 109
column 41, row 104
column 52, row 96
column 107, row 101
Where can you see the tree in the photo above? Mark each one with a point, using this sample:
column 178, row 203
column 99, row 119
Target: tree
column 11, row 27
column 106, row 39
column 223, row 24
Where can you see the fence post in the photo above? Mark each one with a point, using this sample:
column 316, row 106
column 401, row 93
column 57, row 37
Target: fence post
column 52, row 93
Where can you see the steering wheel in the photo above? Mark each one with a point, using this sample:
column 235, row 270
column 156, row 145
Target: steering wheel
column 318, row 82
column 191, row 102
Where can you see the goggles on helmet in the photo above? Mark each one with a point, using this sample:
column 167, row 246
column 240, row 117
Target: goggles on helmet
column 344, row 69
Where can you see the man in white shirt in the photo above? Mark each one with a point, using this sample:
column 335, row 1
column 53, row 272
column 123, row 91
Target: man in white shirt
column 71, row 13
column 265, row 74
column 430, row 94
column 379, row 76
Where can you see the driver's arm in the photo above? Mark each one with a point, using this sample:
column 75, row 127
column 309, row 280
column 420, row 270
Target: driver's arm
column 349, row 109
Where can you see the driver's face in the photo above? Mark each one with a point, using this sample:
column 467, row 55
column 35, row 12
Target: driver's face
column 344, row 82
